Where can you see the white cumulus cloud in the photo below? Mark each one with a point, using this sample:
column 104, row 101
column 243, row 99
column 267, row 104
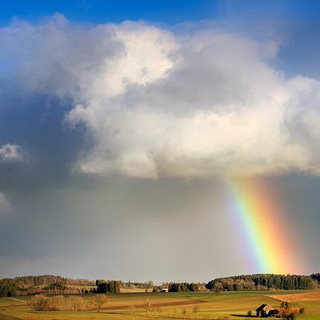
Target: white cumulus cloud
column 156, row 103
column 10, row 152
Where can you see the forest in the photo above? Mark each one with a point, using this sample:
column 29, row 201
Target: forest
column 261, row 282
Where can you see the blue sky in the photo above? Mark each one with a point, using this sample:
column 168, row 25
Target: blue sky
column 296, row 20
column 114, row 130
column 100, row 11
column 175, row 11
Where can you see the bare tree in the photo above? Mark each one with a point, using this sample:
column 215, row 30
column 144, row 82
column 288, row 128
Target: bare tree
column 147, row 305
column 99, row 300
column 131, row 308
column 195, row 309
column 56, row 303
column 76, row 303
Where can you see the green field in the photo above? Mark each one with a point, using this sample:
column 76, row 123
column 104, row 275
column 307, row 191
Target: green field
column 160, row 306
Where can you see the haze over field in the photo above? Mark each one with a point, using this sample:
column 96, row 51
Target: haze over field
column 122, row 127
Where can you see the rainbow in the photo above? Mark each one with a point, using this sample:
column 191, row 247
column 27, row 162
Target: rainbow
column 264, row 229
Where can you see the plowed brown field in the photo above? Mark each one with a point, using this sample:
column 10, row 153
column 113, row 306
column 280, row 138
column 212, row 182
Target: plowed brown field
column 297, row 297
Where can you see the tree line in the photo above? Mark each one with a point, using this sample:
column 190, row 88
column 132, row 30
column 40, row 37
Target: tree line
column 316, row 277
column 140, row 285
column 59, row 285
column 110, row 286
column 260, row 282
column 29, row 285
column 11, row 286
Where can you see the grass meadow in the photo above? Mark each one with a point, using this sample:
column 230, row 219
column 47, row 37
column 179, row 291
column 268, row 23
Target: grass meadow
column 134, row 306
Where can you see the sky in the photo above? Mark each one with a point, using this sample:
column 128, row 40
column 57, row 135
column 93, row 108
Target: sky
column 127, row 126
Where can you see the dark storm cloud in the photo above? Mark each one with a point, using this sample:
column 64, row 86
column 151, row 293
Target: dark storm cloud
column 36, row 84
column 34, row 123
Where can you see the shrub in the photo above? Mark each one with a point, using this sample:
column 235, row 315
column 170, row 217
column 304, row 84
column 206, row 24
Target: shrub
column 39, row 303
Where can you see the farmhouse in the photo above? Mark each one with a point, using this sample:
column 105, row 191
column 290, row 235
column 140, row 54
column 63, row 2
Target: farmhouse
column 265, row 310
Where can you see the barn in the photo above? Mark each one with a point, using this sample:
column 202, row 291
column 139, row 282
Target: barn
column 265, row 310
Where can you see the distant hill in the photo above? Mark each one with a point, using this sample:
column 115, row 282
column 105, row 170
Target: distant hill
column 42, row 283
column 52, row 284
column 260, row 282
